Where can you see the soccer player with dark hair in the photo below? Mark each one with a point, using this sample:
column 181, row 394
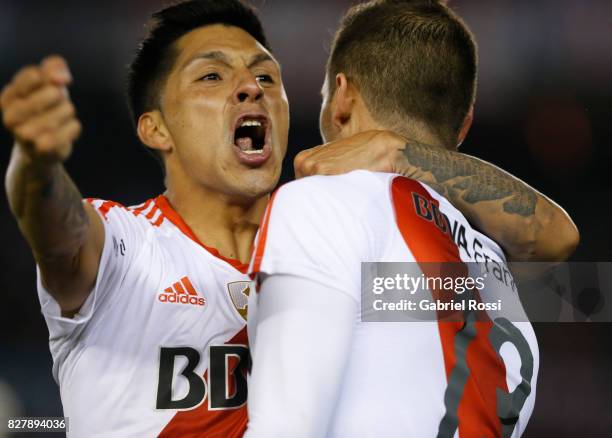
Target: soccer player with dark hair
column 146, row 305
column 319, row 370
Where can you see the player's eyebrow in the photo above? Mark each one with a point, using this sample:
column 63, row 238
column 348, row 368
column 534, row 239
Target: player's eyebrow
column 259, row 58
column 215, row 55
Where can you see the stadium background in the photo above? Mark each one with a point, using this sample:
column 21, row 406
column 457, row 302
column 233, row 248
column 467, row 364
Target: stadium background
column 543, row 113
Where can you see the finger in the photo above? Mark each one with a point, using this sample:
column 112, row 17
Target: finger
column 22, row 83
column 26, row 80
column 309, row 166
column 59, row 142
column 55, row 69
column 40, row 100
column 297, row 173
column 298, row 163
column 302, row 163
column 48, row 121
column 7, row 95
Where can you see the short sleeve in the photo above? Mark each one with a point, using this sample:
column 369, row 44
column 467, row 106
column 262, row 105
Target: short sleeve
column 124, row 237
column 320, row 228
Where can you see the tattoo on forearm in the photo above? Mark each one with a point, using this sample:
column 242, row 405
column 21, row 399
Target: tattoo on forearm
column 47, row 206
column 461, row 177
column 55, row 218
column 69, row 203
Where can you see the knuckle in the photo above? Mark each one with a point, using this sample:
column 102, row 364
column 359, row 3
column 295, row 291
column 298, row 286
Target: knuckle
column 46, row 141
column 48, row 122
column 77, row 128
column 311, row 166
column 17, row 108
column 7, row 120
column 43, row 145
column 69, row 109
column 25, row 132
column 299, row 159
column 45, row 98
column 9, row 115
column 54, row 57
column 4, row 96
column 28, row 73
column 52, row 93
column 70, row 131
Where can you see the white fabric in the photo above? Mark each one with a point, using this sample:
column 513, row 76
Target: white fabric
column 394, row 381
column 287, row 305
column 107, row 358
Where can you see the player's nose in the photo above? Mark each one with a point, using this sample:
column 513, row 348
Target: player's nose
column 248, row 89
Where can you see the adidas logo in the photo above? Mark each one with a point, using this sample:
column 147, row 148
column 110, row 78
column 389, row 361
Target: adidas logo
column 181, row 292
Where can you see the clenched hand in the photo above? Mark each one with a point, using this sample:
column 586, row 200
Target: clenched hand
column 378, row 151
column 37, row 110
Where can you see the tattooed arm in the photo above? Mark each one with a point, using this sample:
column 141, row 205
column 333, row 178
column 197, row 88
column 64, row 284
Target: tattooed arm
column 527, row 224
column 66, row 235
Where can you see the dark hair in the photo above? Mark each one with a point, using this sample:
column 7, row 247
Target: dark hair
column 156, row 55
column 409, row 59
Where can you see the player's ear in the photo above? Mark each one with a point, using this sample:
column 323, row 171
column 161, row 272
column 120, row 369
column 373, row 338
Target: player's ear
column 467, row 124
column 343, row 102
column 152, row 131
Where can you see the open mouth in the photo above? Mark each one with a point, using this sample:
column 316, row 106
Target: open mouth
column 250, row 134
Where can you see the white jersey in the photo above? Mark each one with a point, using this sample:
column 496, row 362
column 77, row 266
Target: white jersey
column 414, row 379
column 159, row 347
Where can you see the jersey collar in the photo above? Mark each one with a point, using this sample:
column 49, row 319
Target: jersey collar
column 164, row 205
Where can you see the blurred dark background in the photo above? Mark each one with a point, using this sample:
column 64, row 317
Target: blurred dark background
column 543, row 114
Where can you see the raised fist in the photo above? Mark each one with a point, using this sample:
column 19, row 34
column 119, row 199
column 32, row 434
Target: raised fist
column 37, row 110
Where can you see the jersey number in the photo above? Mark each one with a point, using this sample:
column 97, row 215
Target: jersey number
column 509, row 405
column 226, row 377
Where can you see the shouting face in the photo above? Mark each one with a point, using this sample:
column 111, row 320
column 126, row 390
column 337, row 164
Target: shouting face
column 226, row 113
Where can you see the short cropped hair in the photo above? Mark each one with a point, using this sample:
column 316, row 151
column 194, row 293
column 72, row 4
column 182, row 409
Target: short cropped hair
column 410, row 59
column 157, row 53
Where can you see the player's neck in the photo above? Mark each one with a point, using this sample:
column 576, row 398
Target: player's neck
column 217, row 220
column 416, row 131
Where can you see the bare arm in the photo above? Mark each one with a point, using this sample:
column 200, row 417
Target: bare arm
column 66, row 235
column 527, row 224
